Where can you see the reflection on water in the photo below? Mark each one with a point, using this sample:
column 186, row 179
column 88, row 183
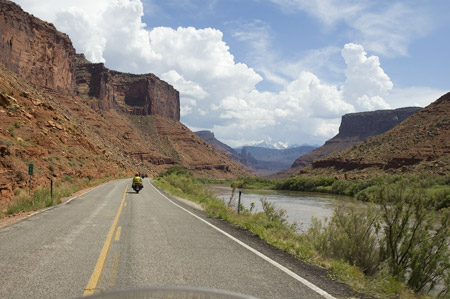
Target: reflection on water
column 300, row 206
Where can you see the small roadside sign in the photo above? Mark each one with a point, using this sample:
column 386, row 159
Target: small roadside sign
column 30, row 169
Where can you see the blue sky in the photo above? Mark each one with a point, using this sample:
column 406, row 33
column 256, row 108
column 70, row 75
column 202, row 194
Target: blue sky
column 285, row 69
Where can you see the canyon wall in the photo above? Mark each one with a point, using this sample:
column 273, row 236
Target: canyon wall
column 42, row 55
column 134, row 94
column 419, row 144
column 354, row 128
column 35, row 49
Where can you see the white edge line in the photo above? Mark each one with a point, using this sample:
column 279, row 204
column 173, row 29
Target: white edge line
column 264, row 257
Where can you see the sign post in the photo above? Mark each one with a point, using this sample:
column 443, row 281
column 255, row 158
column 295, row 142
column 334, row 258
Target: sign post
column 30, row 172
column 239, row 202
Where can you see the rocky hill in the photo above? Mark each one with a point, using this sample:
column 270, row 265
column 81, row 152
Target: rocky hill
column 71, row 118
column 209, row 137
column 421, row 143
column 354, row 128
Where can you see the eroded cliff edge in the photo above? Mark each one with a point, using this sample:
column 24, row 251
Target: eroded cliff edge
column 35, row 50
column 134, row 94
column 42, row 55
column 354, row 128
column 74, row 119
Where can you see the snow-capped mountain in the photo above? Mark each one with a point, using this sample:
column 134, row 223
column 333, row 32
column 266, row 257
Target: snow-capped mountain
column 269, row 143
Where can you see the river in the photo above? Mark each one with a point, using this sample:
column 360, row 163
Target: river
column 300, row 207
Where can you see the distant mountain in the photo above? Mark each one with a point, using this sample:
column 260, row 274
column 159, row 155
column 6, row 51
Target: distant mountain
column 266, row 161
column 355, row 127
column 420, row 144
column 269, row 143
column 263, row 159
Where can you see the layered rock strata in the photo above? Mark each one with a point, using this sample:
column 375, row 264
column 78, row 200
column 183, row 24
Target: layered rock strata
column 357, row 127
column 46, row 57
column 35, row 49
column 421, row 143
column 134, row 94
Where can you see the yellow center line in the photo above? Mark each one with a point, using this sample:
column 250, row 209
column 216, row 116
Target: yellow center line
column 92, row 284
column 115, row 266
column 117, row 238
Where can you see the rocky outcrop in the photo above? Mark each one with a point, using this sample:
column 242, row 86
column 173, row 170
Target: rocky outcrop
column 35, row 49
column 367, row 124
column 76, row 120
column 354, row 128
column 420, row 143
column 46, row 57
column 134, row 94
column 209, row 137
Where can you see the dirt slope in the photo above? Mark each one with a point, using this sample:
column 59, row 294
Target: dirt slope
column 63, row 136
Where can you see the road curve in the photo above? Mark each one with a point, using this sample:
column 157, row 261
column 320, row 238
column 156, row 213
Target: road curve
column 112, row 238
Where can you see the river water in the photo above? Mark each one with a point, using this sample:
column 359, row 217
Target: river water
column 300, row 207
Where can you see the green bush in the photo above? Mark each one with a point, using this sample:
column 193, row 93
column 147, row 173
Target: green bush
column 305, row 184
column 404, row 235
column 440, row 195
column 415, row 243
column 349, row 235
column 11, row 131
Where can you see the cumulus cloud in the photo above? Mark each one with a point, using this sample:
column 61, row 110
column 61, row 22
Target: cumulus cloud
column 366, row 81
column 217, row 92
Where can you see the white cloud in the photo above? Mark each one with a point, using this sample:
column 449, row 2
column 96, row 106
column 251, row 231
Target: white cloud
column 218, row 93
column 366, row 81
column 78, row 22
column 328, row 11
column 391, row 31
column 414, row 96
column 385, row 27
column 186, row 87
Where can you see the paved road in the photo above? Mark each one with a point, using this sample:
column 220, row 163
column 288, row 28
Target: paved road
column 112, row 238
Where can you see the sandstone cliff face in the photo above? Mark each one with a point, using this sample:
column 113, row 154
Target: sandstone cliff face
column 129, row 93
column 366, row 124
column 45, row 57
column 35, row 49
column 75, row 119
column 354, row 128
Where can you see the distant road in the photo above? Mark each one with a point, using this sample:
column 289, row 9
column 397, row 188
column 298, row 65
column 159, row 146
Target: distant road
column 112, row 238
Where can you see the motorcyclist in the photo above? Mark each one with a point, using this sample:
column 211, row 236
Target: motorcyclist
column 137, row 179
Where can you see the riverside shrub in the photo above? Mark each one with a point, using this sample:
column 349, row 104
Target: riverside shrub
column 403, row 234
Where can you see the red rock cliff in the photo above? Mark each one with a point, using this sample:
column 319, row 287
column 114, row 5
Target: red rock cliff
column 45, row 57
column 135, row 94
column 35, row 49
column 354, row 128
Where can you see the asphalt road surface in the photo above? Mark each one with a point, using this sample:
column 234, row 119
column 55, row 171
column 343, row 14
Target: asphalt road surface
column 113, row 239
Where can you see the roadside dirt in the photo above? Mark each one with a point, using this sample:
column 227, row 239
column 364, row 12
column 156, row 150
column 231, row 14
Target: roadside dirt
column 11, row 219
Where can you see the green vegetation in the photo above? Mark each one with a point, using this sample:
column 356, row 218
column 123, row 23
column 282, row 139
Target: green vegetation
column 436, row 187
column 12, row 132
column 396, row 248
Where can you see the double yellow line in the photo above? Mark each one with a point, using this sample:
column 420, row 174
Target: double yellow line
column 92, row 284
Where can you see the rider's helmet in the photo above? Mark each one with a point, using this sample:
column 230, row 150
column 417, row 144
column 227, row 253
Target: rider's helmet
column 137, row 173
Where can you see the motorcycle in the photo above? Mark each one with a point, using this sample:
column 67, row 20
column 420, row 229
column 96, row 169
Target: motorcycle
column 137, row 187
